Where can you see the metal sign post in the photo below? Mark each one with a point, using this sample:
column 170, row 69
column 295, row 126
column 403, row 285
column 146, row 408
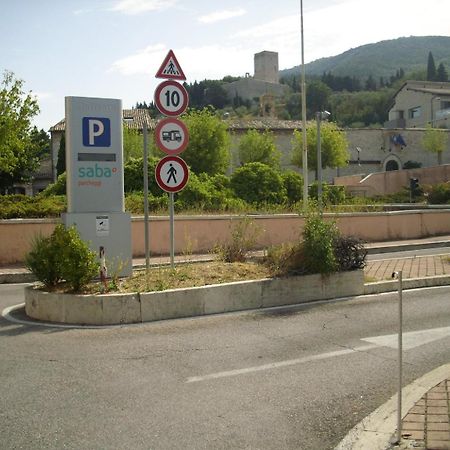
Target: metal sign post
column 399, row 276
column 146, row 228
column 172, row 231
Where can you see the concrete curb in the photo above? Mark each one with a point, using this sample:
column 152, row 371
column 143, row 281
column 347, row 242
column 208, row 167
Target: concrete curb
column 375, row 431
column 409, row 283
column 375, row 249
column 111, row 309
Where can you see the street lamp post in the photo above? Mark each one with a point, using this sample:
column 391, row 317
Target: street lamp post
column 305, row 149
column 320, row 115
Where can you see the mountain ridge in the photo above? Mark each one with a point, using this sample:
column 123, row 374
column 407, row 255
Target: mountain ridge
column 381, row 59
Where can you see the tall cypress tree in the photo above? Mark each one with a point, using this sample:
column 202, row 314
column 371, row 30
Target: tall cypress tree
column 442, row 74
column 61, row 163
column 431, row 68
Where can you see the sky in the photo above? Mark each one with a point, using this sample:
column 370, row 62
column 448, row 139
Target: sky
column 113, row 48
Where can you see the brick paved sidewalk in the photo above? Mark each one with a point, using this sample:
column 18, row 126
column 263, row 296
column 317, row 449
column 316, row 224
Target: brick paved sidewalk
column 427, row 424
column 413, row 267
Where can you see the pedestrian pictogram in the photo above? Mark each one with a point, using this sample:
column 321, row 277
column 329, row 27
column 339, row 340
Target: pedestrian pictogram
column 172, row 136
column 170, row 68
column 172, row 174
column 171, row 98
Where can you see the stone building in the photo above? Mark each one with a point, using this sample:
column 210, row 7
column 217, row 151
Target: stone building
column 263, row 87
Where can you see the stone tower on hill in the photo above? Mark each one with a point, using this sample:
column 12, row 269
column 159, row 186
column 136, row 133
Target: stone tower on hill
column 266, row 67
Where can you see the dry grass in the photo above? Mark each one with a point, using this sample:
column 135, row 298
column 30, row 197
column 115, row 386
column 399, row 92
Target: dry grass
column 186, row 275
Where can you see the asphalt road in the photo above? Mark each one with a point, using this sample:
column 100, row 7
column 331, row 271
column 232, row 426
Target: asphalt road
column 294, row 378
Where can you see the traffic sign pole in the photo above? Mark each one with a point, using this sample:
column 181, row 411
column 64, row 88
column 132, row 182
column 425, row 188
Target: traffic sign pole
column 172, row 230
column 172, row 136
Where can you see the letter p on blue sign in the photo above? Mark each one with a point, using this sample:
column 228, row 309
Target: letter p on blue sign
column 96, row 132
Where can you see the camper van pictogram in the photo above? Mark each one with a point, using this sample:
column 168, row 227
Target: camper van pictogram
column 172, row 135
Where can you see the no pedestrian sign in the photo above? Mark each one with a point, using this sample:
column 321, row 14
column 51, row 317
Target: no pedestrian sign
column 172, row 174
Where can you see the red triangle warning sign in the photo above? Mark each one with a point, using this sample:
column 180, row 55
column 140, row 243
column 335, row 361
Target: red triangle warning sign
column 170, row 68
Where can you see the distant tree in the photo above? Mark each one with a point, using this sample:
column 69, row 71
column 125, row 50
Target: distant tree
column 40, row 141
column 133, row 143
column 19, row 156
column 61, row 161
column 442, row 74
column 431, row 68
column 334, row 146
column 207, row 93
column 209, row 143
column 435, row 141
column 371, row 84
column 317, row 97
column 257, row 146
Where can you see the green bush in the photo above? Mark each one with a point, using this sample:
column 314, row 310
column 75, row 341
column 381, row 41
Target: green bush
column 293, row 183
column 23, row 206
column 63, row 256
column 318, row 239
column 133, row 172
column 257, row 183
column 439, row 194
column 43, row 261
column 58, row 188
column 331, row 194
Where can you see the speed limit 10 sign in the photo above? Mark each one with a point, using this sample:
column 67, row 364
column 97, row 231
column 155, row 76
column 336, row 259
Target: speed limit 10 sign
column 171, row 98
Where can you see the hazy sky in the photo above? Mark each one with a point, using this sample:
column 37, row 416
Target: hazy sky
column 113, row 48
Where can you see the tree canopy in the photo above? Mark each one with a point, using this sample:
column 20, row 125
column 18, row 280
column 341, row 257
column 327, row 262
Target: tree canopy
column 260, row 147
column 209, row 143
column 20, row 149
column 435, row 141
column 334, row 146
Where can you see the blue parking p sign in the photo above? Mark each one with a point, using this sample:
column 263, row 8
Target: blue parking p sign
column 96, row 132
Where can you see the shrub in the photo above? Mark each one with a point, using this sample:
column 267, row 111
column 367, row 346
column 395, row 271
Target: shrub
column 412, row 165
column 42, row 261
column 243, row 239
column 293, row 183
column 286, row 259
column 350, row 253
column 58, row 188
column 331, row 194
column 439, row 194
column 258, row 184
column 133, row 172
column 319, row 237
column 23, row 206
column 62, row 256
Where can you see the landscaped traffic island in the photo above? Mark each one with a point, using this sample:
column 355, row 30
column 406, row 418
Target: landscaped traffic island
column 123, row 308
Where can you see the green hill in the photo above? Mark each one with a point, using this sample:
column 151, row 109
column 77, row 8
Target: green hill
column 382, row 59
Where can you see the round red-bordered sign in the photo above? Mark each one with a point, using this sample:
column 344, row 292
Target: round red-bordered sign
column 171, row 98
column 172, row 174
column 172, row 136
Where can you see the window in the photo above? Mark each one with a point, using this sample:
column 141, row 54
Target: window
column 413, row 113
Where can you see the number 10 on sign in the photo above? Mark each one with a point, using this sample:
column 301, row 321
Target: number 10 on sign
column 171, row 98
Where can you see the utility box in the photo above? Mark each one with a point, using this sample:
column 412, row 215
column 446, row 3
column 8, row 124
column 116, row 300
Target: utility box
column 95, row 185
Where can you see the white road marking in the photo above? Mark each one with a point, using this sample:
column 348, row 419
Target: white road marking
column 410, row 339
column 276, row 365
